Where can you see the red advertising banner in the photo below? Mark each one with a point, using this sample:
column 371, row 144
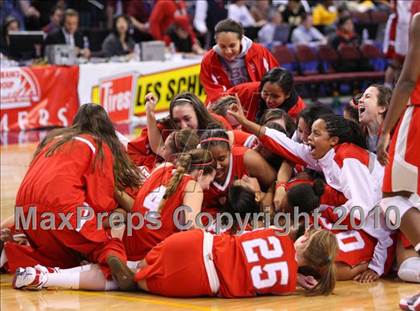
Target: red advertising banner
column 116, row 96
column 37, row 97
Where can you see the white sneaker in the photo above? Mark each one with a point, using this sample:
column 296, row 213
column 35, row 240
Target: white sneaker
column 411, row 303
column 29, row 278
column 44, row 269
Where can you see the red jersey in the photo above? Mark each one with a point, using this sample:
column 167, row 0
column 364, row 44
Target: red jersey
column 215, row 196
column 244, row 139
column 213, row 77
column 163, row 16
column 415, row 95
column 254, row 263
column 257, row 262
column 69, row 179
column 355, row 246
column 249, row 95
column 148, row 200
column 139, row 149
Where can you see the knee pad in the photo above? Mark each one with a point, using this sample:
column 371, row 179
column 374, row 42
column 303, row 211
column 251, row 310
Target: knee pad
column 409, row 270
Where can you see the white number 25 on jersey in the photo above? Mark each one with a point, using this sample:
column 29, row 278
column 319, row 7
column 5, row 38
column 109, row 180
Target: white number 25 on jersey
column 275, row 251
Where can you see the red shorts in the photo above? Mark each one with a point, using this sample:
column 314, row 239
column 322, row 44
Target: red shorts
column 405, row 242
column 175, row 267
column 402, row 172
column 389, row 38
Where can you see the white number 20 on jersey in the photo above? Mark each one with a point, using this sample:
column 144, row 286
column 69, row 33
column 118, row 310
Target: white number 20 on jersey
column 271, row 269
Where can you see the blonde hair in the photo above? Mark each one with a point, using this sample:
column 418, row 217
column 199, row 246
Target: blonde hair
column 319, row 255
column 187, row 162
column 183, row 140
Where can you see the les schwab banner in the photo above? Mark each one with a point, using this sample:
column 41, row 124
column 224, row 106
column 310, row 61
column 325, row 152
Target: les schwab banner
column 123, row 95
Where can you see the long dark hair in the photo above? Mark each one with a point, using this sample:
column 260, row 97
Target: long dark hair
column 241, row 200
column 310, row 114
column 305, row 196
column 284, row 79
column 114, row 26
column 93, row 120
column 347, row 131
column 203, row 116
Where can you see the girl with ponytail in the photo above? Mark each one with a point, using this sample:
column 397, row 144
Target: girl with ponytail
column 337, row 148
column 356, row 247
column 168, row 188
column 221, row 265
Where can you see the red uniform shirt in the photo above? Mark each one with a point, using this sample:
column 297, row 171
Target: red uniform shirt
column 215, row 196
column 148, row 199
column 213, row 77
column 139, row 149
column 415, row 95
column 68, row 179
column 249, row 95
column 255, row 263
column 244, row 139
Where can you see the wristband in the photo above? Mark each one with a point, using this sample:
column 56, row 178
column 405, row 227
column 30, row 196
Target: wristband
column 281, row 184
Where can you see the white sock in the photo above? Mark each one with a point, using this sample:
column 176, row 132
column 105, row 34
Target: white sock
column 132, row 265
column 409, row 270
column 63, row 280
column 111, row 285
column 79, row 268
column 417, row 247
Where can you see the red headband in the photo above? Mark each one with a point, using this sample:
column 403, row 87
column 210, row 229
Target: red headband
column 215, row 139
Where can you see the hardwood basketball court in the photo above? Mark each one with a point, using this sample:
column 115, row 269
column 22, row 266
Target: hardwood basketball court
column 381, row 295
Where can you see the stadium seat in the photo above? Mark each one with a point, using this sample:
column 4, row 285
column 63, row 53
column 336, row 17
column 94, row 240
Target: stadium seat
column 285, row 57
column 308, row 60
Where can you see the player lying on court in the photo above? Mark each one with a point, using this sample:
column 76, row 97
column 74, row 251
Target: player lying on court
column 262, row 261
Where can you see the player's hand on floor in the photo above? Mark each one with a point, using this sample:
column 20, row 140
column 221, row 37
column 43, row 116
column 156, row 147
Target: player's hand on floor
column 306, row 281
column 367, row 276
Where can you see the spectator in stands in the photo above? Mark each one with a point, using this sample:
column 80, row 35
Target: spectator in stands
column 163, row 16
column 207, row 14
column 345, row 33
column 238, row 11
column 119, row 41
column 324, row 15
column 179, row 33
column 235, row 59
column 31, row 14
column 307, row 34
column 261, row 11
column 139, row 12
column 373, row 106
column 274, row 32
column 56, row 18
column 292, row 13
column 69, row 34
column 11, row 24
column 10, row 8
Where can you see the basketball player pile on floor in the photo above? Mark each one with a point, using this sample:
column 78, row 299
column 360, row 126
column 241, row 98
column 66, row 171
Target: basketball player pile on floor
column 173, row 211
